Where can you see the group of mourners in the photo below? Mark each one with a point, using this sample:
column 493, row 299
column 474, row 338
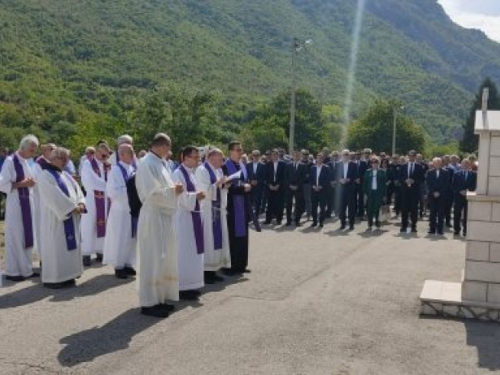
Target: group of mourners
column 177, row 226
column 184, row 222
column 354, row 186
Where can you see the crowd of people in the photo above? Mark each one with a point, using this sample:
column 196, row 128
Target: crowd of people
column 178, row 225
column 354, row 186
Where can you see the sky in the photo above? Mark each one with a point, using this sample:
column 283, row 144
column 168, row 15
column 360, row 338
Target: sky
column 476, row 14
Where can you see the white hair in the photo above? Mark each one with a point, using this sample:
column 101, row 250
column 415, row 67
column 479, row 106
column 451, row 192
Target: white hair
column 213, row 151
column 59, row 152
column 437, row 160
column 346, row 151
column 28, row 140
column 124, row 148
column 125, row 138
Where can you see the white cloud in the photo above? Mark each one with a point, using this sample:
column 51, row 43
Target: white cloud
column 480, row 14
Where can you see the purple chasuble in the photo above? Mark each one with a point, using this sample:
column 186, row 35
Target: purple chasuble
column 238, row 203
column 100, row 203
column 24, row 200
column 126, row 177
column 196, row 216
column 69, row 225
column 216, row 220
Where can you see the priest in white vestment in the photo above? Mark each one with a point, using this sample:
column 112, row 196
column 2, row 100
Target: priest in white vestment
column 211, row 180
column 120, row 241
column 158, row 278
column 93, row 227
column 124, row 139
column 40, row 164
column 62, row 204
column 17, row 181
column 189, row 227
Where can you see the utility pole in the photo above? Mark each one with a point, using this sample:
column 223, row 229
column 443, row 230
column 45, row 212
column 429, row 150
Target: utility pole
column 394, row 128
column 291, row 138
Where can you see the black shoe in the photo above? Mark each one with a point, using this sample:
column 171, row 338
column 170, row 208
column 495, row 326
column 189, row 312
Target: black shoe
column 54, row 285
column 167, row 307
column 403, row 230
column 121, row 274
column 188, row 295
column 130, row 271
column 218, row 279
column 230, row 272
column 465, row 234
column 298, row 224
column 377, row 224
column 414, row 230
column 267, row 222
column 278, row 222
column 98, row 258
column 86, row 261
column 431, row 232
column 441, row 233
column 342, row 227
column 15, row 278
column 34, row 274
column 314, row 225
column 351, row 227
column 247, row 270
column 456, row 233
column 69, row 283
column 321, row 225
column 157, row 311
column 209, row 278
column 288, row 224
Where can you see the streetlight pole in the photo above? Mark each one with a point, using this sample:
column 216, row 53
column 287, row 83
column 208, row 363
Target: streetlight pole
column 394, row 129
column 291, row 138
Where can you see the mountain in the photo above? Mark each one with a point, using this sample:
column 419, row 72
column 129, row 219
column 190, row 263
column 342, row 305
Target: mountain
column 66, row 62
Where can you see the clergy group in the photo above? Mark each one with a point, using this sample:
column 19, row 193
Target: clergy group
column 174, row 230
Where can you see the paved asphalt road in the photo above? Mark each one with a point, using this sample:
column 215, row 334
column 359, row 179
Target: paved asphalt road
column 316, row 302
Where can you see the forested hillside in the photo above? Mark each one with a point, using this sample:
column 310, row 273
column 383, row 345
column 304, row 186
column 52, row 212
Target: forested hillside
column 71, row 69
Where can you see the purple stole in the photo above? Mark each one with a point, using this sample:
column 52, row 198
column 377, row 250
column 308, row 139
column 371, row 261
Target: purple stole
column 196, row 216
column 216, row 220
column 126, row 178
column 238, row 203
column 100, row 202
column 69, row 225
column 24, row 200
column 42, row 162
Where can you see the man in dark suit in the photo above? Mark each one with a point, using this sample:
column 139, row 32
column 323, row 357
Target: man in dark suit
column 275, row 181
column 257, row 177
column 362, row 162
column 347, row 173
column 422, row 202
column 410, row 178
column 331, row 204
column 463, row 181
column 307, row 185
column 320, row 179
column 448, row 205
column 295, row 174
column 437, row 186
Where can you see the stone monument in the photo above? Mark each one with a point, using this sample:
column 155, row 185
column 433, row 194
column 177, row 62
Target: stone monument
column 478, row 295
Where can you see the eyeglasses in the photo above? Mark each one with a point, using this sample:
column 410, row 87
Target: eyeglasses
column 238, row 149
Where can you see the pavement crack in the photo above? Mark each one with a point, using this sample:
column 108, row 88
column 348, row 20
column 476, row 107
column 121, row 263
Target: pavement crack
column 29, row 365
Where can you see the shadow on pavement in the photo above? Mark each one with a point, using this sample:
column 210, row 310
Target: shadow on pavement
column 486, row 338
column 36, row 292
column 115, row 335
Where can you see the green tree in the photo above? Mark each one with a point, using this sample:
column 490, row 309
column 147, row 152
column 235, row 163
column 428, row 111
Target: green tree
column 310, row 129
column 470, row 141
column 188, row 118
column 374, row 130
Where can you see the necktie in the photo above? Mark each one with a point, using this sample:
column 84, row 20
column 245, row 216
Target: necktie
column 466, row 176
column 411, row 170
column 318, row 171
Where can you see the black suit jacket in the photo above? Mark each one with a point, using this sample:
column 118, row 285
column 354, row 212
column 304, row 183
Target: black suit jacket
column 461, row 183
column 352, row 174
column 295, row 176
column 437, row 184
column 273, row 179
column 324, row 177
column 417, row 175
column 362, row 166
column 260, row 174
